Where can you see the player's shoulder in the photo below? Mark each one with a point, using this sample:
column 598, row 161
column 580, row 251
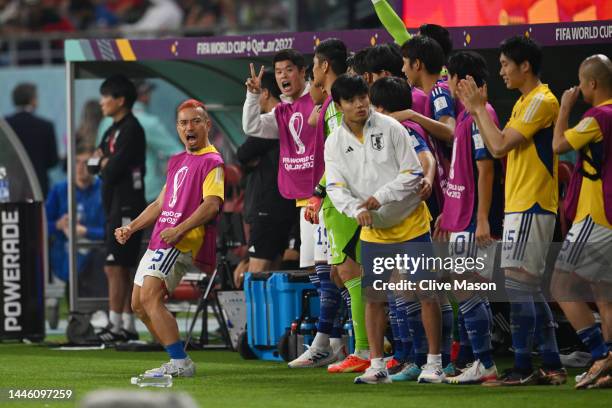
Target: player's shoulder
column 413, row 128
column 385, row 122
column 335, row 135
column 587, row 124
column 541, row 99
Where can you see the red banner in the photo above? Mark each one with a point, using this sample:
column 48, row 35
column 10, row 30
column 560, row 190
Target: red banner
column 452, row 13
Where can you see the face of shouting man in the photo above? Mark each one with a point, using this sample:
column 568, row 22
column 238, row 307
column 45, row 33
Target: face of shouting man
column 193, row 125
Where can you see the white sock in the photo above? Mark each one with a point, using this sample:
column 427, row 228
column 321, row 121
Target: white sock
column 321, row 341
column 180, row 362
column 434, row 359
column 378, row 363
column 365, row 354
column 115, row 321
column 129, row 323
column 336, row 344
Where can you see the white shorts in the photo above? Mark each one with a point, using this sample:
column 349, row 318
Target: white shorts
column 314, row 245
column 463, row 245
column 526, row 240
column 169, row 265
column 587, row 251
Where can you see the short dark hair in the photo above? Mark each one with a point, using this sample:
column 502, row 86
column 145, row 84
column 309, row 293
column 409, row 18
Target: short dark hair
column 334, row 52
column 347, row 87
column 358, row 63
column 119, row 86
column 471, row 63
column 269, row 82
column 440, row 34
column 391, row 93
column 24, row 94
column 520, row 49
column 291, row 55
column 384, row 57
column 425, row 49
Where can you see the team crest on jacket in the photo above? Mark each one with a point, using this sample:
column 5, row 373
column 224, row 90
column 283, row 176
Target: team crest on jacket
column 377, row 141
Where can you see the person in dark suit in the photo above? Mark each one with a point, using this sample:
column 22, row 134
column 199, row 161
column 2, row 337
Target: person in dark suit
column 36, row 134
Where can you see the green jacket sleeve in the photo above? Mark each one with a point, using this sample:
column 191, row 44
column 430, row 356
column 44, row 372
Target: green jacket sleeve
column 391, row 21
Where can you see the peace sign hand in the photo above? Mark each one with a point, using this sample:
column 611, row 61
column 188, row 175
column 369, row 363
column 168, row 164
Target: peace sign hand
column 253, row 83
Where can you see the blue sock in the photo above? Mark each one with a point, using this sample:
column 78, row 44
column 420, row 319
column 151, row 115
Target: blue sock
column 609, row 344
column 478, row 329
column 417, row 332
column 485, row 301
column 466, row 354
column 404, row 328
column 346, row 296
column 314, row 279
column 546, row 338
column 398, row 348
column 176, row 350
column 592, row 338
column 338, row 327
column 522, row 323
column 330, row 300
column 447, row 333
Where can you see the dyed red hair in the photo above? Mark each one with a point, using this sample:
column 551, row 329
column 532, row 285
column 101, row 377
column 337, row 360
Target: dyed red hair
column 191, row 103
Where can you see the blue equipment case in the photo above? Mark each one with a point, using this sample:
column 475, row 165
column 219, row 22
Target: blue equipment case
column 273, row 302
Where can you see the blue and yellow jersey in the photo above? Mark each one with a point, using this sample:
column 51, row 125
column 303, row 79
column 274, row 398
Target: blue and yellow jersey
column 587, row 136
column 532, row 174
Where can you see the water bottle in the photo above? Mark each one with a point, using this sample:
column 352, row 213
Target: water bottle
column 308, row 330
column 5, row 193
column 348, row 329
column 294, row 352
column 153, row 380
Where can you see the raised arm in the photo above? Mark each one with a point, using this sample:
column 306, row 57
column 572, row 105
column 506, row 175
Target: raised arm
column 255, row 123
column 391, row 21
column 474, row 99
column 560, row 142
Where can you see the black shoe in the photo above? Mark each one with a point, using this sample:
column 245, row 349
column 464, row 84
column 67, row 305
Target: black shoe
column 129, row 335
column 108, row 337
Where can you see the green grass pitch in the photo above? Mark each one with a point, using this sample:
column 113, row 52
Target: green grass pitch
column 223, row 379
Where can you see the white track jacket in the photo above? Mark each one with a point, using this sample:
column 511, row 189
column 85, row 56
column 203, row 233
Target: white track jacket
column 385, row 166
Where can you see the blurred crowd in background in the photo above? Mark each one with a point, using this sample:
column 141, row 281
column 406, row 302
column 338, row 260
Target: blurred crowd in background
column 27, row 16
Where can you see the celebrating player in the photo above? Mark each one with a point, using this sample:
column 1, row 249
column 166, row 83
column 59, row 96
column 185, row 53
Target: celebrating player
column 389, row 95
column 300, row 168
column 184, row 214
column 342, row 231
column 468, row 207
column 371, row 165
column 531, row 201
column 586, row 254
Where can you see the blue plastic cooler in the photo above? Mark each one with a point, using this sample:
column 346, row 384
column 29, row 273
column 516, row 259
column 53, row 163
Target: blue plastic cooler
column 274, row 301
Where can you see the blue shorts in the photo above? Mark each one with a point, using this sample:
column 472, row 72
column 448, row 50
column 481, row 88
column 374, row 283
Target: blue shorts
column 410, row 258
